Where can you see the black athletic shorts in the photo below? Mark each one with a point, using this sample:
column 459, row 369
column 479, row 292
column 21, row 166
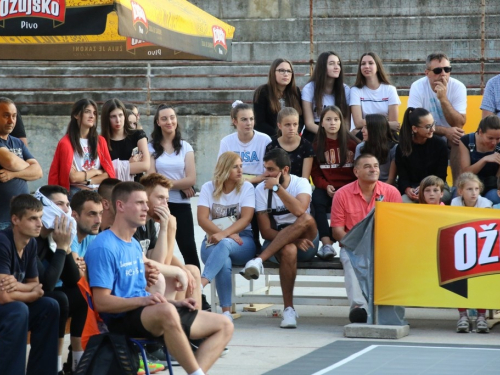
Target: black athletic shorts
column 130, row 324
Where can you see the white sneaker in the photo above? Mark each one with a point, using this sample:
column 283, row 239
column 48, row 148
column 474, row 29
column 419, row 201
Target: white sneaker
column 252, row 269
column 228, row 315
column 326, row 252
column 289, row 318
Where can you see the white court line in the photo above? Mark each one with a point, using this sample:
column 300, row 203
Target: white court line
column 435, row 347
column 346, row 360
column 371, row 347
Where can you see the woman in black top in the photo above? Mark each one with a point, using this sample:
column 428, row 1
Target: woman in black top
column 124, row 143
column 479, row 153
column 420, row 154
column 279, row 92
column 299, row 149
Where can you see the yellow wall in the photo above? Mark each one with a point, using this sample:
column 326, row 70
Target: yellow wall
column 473, row 111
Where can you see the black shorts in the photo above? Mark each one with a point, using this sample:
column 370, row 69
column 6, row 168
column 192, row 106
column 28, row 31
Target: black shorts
column 130, row 324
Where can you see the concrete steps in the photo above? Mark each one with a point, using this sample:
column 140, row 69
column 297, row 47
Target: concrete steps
column 402, row 33
column 43, row 89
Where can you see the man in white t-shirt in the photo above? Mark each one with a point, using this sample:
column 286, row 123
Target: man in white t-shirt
column 295, row 235
column 445, row 98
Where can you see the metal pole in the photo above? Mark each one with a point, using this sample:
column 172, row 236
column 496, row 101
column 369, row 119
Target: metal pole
column 311, row 37
column 483, row 36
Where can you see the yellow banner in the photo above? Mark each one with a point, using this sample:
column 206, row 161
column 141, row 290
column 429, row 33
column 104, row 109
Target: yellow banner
column 437, row 256
column 176, row 15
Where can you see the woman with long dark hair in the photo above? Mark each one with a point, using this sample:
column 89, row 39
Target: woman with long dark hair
column 279, row 92
column 479, row 154
column 82, row 159
column 325, row 88
column 379, row 141
column 173, row 157
column 420, row 154
column 127, row 145
column 373, row 93
column 332, row 168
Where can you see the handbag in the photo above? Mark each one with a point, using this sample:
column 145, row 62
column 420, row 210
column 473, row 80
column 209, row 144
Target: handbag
column 221, row 223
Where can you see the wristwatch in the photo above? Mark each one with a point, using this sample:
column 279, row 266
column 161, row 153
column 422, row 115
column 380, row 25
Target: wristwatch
column 276, row 188
column 88, row 182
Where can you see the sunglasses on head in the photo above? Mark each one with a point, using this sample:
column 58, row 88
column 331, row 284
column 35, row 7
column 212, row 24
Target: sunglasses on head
column 446, row 69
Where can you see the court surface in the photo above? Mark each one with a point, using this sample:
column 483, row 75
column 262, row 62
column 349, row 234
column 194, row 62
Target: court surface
column 382, row 358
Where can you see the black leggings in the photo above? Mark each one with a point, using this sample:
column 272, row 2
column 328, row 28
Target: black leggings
column 185, row 232
column 63, row 303
column 77, row 309
column 322, row 204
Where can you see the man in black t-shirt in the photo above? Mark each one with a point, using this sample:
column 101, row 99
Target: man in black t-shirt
column 22, row 305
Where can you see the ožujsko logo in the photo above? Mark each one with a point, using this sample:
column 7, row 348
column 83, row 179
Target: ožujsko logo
column 50, row 9
column 133, row 43
column 468, row 250
column 139, row 19
column 219, row 37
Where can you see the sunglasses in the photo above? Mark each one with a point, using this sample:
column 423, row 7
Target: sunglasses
column 447, row 69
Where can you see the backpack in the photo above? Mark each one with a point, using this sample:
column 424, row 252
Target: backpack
column 108, row 354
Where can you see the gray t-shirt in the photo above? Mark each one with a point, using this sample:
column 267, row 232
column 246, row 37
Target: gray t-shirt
column 15, row 186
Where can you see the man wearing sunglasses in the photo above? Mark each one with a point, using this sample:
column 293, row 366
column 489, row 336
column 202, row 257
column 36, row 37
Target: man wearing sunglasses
column 446, row 98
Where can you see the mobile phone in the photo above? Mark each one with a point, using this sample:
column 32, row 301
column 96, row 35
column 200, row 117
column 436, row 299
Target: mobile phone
column 135, row 151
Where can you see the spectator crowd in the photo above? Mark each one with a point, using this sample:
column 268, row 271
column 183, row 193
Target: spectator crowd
column 117, row 202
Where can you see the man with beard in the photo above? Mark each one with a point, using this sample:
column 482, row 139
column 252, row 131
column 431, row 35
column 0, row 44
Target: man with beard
column 87, row 212
column 284, row 199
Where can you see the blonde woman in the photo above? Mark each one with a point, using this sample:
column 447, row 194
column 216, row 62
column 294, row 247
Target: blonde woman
column 227, row 201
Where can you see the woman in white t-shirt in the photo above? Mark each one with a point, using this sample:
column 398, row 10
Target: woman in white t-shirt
column 174, row 158
column 246, row 142
column 325, row 88
column 81, row 160
column 228, row 195
column 373, row 93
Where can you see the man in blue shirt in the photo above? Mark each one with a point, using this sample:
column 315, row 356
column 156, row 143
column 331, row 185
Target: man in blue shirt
column 22, row 305
column 116, row 269
column 17, row 165
column 490, row 104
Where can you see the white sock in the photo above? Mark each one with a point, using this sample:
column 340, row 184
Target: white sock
column 258, row 259
column 198, row 372
column 59, row 363
column 76, row 358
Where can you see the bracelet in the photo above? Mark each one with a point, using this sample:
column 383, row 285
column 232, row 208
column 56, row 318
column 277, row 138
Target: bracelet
column 84, row 171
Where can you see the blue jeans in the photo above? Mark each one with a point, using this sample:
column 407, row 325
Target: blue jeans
column 492, row 195
column 41, row 318
column 4, row 225
column 219, row 260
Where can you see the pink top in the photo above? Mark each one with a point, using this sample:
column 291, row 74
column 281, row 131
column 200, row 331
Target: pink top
column 349, row 206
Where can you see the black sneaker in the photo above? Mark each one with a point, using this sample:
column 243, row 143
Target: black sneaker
column 358, row 315
column 205, row 306
column 158, row 356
